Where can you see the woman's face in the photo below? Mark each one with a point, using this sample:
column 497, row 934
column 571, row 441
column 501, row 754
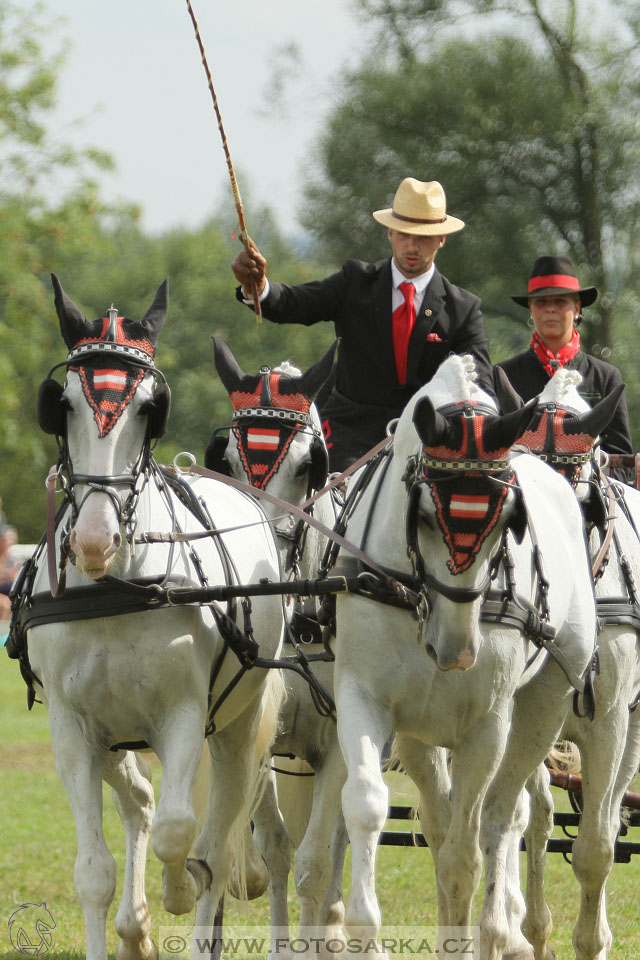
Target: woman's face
column 554, row 317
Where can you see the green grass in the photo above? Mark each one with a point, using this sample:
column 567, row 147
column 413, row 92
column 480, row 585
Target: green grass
column 37, row 854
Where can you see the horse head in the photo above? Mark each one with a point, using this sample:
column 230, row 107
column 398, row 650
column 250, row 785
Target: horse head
column 565, row 428
column 456, row 447
column 106, row 415
column 275, row 438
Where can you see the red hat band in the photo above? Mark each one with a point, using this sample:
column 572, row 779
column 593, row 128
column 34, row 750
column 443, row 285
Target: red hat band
column 560, row 280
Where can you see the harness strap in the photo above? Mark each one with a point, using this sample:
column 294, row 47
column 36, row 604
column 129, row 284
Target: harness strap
column 56, row 586
column 616, row 610
column 393, row 584
column 365, row 458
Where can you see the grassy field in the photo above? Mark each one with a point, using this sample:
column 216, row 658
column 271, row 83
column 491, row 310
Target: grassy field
column 37, row 852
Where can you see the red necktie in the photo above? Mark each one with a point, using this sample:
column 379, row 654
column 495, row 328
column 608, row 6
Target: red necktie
column 404, row 318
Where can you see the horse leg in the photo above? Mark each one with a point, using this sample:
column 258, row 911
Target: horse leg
column 272, row 838
column 332, row 910
column 231, row 791
column 459, row 857
column 533, row 731
column 601, row 750
column 427, row 767
column 313, row 865
column 363, row 731
column 80, row 770
column 174, row 825
column 538, row 923
column 129, row 777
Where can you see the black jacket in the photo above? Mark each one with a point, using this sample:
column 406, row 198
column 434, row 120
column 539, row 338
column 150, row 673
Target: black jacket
column 599, row 378
column 357, row 300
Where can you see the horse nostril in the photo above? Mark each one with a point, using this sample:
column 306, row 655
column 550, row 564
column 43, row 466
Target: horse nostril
column 431, row 652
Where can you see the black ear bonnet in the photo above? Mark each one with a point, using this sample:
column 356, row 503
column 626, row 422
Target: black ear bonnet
column 214, row 458
column 158, row 410
column 319, row 465
column 51, row 407
column 110, row 356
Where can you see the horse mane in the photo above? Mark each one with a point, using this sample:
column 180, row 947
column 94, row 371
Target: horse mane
column 455, row 379
column 287, row 369
column 563, row 390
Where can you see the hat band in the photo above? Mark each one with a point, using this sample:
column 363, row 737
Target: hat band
column 399, row 216
column 554, row 280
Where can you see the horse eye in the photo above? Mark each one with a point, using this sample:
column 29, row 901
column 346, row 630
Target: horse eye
column 303, row 468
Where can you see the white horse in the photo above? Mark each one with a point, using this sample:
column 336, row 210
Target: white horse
column 452, row 486
column 163, row 673
column 610, row 743
column 276, row 443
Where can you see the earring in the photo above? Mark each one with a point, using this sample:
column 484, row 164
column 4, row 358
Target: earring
column 530, row 321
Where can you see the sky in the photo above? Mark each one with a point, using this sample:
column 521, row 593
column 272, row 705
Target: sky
column 134, row 85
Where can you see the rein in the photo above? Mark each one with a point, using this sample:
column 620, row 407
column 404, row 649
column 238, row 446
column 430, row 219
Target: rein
column 401, row 590
column 606, row 543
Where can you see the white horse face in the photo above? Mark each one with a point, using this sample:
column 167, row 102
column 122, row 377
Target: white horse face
column 461, row 521
column 457, row 447
column 96, row 535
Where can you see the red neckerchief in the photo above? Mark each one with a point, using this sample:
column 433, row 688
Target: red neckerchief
column 564, row 355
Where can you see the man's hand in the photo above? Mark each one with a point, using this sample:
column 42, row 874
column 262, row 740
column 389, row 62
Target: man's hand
column 248, row 265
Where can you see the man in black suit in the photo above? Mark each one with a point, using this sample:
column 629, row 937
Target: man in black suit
column 397, row 319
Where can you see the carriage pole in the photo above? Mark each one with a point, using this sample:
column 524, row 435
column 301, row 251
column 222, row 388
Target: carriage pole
column 243, row 236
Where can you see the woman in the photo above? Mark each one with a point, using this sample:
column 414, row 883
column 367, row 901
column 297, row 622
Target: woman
column 555, row 301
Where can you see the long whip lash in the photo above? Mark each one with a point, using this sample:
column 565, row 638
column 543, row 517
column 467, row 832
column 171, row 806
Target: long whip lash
column 234, row 183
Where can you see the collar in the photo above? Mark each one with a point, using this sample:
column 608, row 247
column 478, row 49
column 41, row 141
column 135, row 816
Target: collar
column 420, row 282
column 552, row 361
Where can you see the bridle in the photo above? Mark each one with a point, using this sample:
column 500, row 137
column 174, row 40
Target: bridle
column 65, row 475
column 291, row 420
column 423, row 470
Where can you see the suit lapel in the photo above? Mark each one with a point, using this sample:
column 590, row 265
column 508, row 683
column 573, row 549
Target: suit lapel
column 381, row 300
column 431, row 312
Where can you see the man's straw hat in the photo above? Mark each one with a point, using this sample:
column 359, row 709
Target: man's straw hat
column 419, row 208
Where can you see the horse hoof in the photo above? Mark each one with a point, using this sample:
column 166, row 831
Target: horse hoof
column 201, row 873
column 144, row 950
column 521, row 954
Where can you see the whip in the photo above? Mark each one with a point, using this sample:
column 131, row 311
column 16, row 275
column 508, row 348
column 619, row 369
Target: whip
column 232, row 176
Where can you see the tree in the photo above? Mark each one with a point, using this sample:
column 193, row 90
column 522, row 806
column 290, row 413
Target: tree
column 531, row 127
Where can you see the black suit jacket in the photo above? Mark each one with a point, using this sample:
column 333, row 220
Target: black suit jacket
column 599, row 378
column 357, row 300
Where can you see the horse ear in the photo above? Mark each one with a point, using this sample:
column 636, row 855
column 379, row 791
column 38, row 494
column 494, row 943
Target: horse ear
column 156, row 315
column 502, row 432
column 51, row 408
column 508, row 398
column 317, row 375
column 432, row 427
column 594, row 421
column 73, row 324
column 227, row 366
